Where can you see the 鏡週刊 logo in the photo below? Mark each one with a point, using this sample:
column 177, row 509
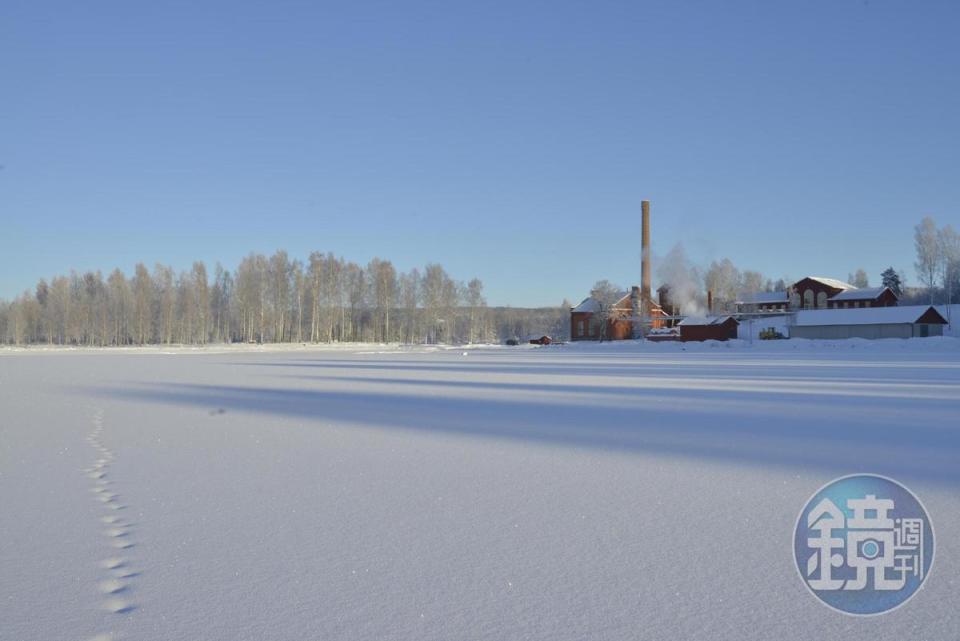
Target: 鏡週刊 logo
column 863, row 544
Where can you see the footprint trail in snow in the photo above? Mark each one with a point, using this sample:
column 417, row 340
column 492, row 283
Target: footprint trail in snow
column 115, row 583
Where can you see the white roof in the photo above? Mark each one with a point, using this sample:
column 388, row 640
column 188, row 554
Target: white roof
column 704, row 320
column 831, row 282
column 860, row 316
column 863, row 293
column 588, row 304
column 764, row 298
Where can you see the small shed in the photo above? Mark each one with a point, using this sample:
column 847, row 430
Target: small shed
column 710, row 328
column 872, row 322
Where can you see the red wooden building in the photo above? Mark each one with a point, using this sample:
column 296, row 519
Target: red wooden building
column 863, row 297
column 711, row 328
column 813, row 292
column 816, row 292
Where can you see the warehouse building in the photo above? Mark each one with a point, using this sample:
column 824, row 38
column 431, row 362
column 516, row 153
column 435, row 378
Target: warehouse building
column 873, row 322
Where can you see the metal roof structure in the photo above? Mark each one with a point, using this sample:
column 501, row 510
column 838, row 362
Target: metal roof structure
column 866, row 316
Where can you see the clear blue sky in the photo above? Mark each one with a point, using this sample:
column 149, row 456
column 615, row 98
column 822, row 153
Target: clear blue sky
column 510, row 141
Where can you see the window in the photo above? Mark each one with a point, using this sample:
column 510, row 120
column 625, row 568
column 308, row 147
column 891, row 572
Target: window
column 807, row 298
column 822, row 300
column 580, row 328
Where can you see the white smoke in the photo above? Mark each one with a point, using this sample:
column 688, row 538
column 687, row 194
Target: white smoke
column 684, row 279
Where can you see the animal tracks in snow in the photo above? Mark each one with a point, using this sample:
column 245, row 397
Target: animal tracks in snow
column 115, row 584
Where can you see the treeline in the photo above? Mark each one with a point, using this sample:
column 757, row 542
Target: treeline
column 267, row 299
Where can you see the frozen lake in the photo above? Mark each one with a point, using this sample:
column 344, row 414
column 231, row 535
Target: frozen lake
column 606, row 492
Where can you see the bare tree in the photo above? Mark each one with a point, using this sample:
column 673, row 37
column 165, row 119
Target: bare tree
column 949, row 249
column 265, row 299
column 473, row 297
column 409, row 299
column 928, row 248
column 859, row 278
column 300, row 294
column 723, row 279
column 606, row 294
column 143, row 304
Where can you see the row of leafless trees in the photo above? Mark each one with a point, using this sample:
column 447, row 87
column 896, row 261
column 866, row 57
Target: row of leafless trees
column 938, row 260
column 266, row 299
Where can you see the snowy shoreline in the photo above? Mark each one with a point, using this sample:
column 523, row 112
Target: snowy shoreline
column 922, row 345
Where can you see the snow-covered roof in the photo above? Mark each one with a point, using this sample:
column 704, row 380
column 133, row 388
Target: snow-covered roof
column 763, row 298
column 862, row 316
column 623, row 303
column 831, row 282
column 863, row 293
column 588, row 304
column 704, row 320
column 592, row 305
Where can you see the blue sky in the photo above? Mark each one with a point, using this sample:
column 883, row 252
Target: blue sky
column 509, row 141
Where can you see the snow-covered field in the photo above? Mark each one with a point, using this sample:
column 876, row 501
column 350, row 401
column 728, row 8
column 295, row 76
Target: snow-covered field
column 573, row 492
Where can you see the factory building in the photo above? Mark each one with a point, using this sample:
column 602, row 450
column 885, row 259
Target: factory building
column 586, row 319
column 634, row 313
column 817, row 292
column 812, row 307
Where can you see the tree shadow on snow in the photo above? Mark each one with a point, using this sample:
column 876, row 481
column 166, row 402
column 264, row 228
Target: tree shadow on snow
column 872, row 427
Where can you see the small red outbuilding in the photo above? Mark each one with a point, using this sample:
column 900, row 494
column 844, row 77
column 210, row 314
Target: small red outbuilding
column 711, row 328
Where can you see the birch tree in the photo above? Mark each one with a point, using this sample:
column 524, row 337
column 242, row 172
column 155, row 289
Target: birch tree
column 927, row 243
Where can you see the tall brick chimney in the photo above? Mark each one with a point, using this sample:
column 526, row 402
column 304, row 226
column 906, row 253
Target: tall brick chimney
column 645, row 294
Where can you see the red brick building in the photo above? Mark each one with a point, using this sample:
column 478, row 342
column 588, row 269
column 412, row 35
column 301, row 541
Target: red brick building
column 585, row 320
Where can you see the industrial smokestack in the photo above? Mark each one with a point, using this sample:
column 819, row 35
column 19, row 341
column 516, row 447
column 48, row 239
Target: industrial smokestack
column 645, row 254
column 636, row 308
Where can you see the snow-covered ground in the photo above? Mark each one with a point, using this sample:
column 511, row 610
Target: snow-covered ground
column 952, row 314
column 619, row 491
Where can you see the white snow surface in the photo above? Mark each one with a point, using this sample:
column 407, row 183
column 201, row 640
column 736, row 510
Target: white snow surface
column 613, row 491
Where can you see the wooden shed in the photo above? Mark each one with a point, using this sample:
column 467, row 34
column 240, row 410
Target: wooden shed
column 711, row 328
